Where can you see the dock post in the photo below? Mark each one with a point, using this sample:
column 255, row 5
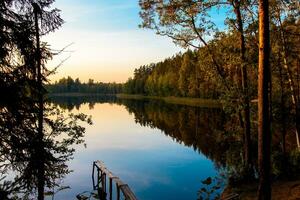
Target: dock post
column 118, row 192
column 104, row 175
column 110, row 188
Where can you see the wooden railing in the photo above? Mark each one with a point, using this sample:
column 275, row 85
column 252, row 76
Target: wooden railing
column 103, row 175
column 232, row 196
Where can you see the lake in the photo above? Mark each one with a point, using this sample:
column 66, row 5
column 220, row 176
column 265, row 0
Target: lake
column 162, row 151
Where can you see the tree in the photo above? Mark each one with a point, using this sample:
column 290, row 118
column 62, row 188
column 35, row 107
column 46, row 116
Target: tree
column 186, row 70
column 29, row 127
column 264, row 132
column 236, row 4
column 290, row 11
column 68, row 85
column 189, row 23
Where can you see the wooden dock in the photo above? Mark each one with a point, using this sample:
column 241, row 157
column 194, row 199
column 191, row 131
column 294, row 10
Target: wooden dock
column 105, row 181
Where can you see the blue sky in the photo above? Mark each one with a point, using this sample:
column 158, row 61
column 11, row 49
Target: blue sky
column 106, row 42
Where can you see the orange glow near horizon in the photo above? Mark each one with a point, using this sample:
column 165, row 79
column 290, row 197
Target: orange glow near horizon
column 98, row 75
column 107, row 44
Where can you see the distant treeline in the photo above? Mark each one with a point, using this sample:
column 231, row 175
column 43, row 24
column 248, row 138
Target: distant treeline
column 180, row 75
column 68, row 85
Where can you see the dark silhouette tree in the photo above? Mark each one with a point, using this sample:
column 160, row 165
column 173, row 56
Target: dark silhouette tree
column 29, row 127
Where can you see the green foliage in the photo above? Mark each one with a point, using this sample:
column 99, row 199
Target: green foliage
column 286, row 165
column 182, row 76
column 68, row 85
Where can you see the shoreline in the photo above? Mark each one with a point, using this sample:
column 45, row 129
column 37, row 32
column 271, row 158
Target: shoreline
column 77, row 94
column 188, row 101
column 198, row 102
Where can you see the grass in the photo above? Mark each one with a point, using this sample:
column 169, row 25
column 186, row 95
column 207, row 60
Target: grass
column 77, row 94
column 209, row 103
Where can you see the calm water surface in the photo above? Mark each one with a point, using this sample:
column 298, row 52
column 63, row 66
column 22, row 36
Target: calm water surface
column 155, row 163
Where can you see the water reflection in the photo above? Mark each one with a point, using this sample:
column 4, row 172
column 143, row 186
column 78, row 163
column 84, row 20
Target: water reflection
column 199, row 128
column 30, row 162
column 73, row 102
column 131, row 142
column 163, row 151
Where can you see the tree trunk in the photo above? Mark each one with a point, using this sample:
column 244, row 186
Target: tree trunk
column 40, row 136
column 264, row 134
column 282, row 110
column 294, row 96
column 245, row 95
column 297, row 127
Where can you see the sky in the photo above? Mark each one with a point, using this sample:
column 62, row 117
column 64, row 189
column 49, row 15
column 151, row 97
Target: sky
column 105, row 42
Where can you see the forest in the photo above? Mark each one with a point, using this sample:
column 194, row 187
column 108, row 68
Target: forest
column 192, row 74
column 253, row 57
column 68, row 85
column 250, row 62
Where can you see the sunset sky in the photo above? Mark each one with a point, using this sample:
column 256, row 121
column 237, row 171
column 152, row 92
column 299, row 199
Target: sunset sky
column 106, row 42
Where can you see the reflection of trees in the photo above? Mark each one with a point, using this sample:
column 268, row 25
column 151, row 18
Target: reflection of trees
column 23, row 152
column 71, row 102
column 207, row 130
column 33, row 154
column 199, row 128
column 210, row 132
